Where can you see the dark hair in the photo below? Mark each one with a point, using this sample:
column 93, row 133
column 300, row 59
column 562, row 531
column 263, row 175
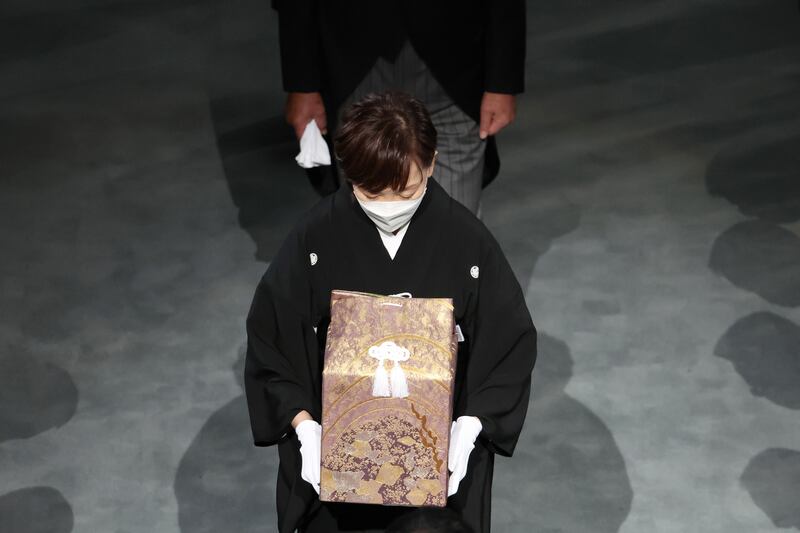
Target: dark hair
column 380, row 137
column 430, row 520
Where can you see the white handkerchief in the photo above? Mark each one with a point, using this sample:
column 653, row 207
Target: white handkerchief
column 313, row 149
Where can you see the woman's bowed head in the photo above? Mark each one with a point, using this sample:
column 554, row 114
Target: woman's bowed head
column 386, row 147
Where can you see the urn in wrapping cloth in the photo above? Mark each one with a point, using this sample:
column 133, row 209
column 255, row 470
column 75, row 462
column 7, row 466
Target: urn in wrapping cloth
column 387, row 395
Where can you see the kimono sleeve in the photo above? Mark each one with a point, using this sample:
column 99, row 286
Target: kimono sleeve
column 281, row 346
column 502, row 356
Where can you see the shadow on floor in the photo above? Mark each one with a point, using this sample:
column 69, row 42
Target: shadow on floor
column 34, row 396
column 35, row 510
column 763, row 349
column 762, row 180
column 773, row 480
column 223, row 482
column 267, row 187
column 567, row 473
column 526, row 221
column 762, row 258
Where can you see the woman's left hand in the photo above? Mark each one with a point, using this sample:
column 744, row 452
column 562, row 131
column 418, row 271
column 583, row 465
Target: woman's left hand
column 463, row 433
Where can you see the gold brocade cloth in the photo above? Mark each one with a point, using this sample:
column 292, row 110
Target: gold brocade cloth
column 387, row 396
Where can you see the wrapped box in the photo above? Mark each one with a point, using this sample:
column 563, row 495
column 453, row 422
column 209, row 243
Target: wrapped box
column 387, row 399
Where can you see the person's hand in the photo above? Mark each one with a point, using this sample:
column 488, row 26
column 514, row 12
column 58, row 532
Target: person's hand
column 497, row 111
column 309, row 433
column 463, row 433
column 301, row 108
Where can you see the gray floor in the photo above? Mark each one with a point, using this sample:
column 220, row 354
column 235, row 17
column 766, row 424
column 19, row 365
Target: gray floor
column 649, row 202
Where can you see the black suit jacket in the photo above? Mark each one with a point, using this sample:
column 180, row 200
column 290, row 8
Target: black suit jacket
column 470, row 46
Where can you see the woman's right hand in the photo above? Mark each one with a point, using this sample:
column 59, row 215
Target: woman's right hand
column 301, row 108
column 309, row 433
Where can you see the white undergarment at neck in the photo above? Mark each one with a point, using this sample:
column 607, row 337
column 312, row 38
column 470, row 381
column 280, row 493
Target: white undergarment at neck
column 391, row 241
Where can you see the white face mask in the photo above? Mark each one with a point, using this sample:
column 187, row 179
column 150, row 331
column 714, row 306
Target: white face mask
column 391, row 216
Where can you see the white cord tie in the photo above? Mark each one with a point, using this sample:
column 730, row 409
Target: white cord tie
column 380, row 381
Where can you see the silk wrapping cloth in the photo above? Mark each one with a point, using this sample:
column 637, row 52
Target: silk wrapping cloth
column 387, row 399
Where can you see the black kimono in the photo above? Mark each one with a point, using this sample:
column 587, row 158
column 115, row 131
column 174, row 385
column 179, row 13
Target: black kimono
column 446, row 252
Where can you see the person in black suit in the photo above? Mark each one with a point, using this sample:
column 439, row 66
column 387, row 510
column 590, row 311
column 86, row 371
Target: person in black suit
column 464, row 59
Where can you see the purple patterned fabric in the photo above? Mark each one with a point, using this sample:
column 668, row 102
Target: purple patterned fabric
column 387, row 397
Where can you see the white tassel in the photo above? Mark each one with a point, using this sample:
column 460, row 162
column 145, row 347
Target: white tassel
column 380, row 381
column 399, row 383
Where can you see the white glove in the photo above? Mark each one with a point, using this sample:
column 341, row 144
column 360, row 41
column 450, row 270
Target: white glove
column 313, row 148
column 309, row 433
column 463, row 433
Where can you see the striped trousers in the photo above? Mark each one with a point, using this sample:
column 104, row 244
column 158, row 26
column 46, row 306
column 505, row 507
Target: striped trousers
column 459, row 165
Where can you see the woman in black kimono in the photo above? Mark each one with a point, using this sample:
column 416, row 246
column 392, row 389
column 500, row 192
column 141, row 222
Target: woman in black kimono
column 386, row 147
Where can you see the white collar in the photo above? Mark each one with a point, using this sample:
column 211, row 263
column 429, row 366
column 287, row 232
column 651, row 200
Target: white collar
column 392, row 241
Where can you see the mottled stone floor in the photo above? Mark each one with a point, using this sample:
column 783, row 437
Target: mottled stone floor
column 649, row 202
